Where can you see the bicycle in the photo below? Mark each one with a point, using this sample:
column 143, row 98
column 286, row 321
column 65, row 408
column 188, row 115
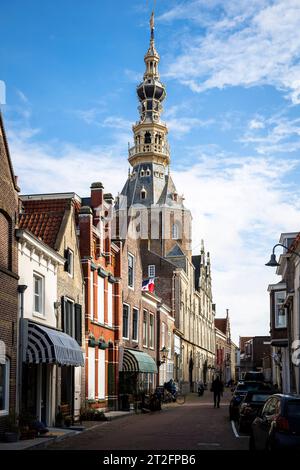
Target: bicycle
column 180, row 398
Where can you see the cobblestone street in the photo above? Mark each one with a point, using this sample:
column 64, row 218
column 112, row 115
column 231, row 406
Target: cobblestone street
column 195, row 425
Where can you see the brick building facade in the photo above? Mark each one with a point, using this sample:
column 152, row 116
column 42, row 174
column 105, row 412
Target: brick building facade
column 8, row 281
column 101, row 265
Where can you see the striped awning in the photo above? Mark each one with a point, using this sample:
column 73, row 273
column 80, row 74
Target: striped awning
column 50, row 346
column 138, row 361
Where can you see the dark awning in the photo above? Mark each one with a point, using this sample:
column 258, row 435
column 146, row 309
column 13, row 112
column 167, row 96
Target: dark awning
column 138, row 361
column 50, row 346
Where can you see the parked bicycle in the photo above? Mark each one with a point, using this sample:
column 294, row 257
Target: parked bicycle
column 169, row 394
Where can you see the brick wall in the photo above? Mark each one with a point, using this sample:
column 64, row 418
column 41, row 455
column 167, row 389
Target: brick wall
column 8, row 267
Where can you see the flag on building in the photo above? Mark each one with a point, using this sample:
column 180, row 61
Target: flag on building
column 148, row 285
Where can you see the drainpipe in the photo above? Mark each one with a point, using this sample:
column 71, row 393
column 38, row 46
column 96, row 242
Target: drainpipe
column 21, row 290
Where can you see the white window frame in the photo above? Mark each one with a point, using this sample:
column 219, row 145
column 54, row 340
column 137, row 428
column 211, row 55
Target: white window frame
column 151, row 271
column 146, row 335
column 41, row 278
column 280, row 294
column 135, row 340
column 110, row 293
column 91, row 374
column 92, row 294
column 100, row 298
column 70, row 269
column 128, row 322
column 163, row 335
column 130, row 255
column 175, row 231
column 101, row 374
column 151, row 331
column 5, row 410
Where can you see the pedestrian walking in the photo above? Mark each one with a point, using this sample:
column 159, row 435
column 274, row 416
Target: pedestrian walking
column 217, row 388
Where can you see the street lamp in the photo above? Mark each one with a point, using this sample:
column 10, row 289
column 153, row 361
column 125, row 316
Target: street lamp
column 163, row 354
column 273, row 261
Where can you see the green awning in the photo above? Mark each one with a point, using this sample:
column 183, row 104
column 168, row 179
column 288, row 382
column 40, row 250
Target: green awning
column 138, row 361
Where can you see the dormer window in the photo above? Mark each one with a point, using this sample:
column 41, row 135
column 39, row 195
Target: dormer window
column 148, row 172
column 143, row 193
column 175, row 197
column 142, row 173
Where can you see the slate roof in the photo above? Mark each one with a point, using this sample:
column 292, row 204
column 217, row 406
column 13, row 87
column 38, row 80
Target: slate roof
column 159, row 189
column 176, row 251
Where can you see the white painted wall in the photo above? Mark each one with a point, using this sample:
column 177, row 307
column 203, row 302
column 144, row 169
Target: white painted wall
column 30, row 262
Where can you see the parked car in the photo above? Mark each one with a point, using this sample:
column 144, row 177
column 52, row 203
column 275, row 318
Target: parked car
column 252, row 403
column 278, row 425
column 255, row 376
column 239, row 393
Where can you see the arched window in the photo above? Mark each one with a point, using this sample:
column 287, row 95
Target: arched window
column 5, row 237
column 175, row 231
column 148, row 172
column 143, row 193
column 147, row 137
column 4, row 384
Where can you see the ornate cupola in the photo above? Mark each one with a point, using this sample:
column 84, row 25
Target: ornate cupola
column 150, row 134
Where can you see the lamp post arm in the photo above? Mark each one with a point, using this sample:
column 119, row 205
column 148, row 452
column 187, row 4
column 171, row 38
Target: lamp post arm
column 287, row 248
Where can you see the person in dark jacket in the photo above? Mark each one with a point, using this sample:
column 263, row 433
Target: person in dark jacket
column 217, row 389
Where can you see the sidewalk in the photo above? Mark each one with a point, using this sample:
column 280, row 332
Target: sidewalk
column 55, row 434
column 58, row 434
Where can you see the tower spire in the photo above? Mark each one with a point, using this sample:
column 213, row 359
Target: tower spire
column 150, row 134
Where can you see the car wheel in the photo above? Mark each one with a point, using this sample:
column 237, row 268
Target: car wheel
column 252, row 442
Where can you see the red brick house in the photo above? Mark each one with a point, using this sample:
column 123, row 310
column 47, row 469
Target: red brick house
column 101, row 264
column 8, row 281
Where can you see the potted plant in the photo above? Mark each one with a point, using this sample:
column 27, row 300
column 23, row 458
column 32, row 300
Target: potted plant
column 12, row 433
column 27, row 425
column 68, row 421
column 91, row 340
column 102, row 343
column 59, row 418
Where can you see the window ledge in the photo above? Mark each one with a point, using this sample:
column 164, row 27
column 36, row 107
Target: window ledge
column 9, row 273
column 39, row 315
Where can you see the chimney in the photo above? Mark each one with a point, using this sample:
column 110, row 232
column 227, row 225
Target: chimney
column 96, row 195
column 85, row 229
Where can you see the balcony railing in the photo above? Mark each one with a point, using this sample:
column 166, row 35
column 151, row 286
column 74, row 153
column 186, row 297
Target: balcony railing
column 149, row 148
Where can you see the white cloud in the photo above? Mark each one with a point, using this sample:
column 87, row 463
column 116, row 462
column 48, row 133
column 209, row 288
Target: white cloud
column 256, row 124
column 237, row 207
column 280, row 134
column 261, row 46
column 184, row 125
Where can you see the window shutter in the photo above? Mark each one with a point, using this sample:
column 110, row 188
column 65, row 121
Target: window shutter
column 63, row 314
column 66, row 256
column 78, row 324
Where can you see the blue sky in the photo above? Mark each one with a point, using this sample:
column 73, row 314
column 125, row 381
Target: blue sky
column 232, row 71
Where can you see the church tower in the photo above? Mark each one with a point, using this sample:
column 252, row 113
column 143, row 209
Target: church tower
column 149, row 192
